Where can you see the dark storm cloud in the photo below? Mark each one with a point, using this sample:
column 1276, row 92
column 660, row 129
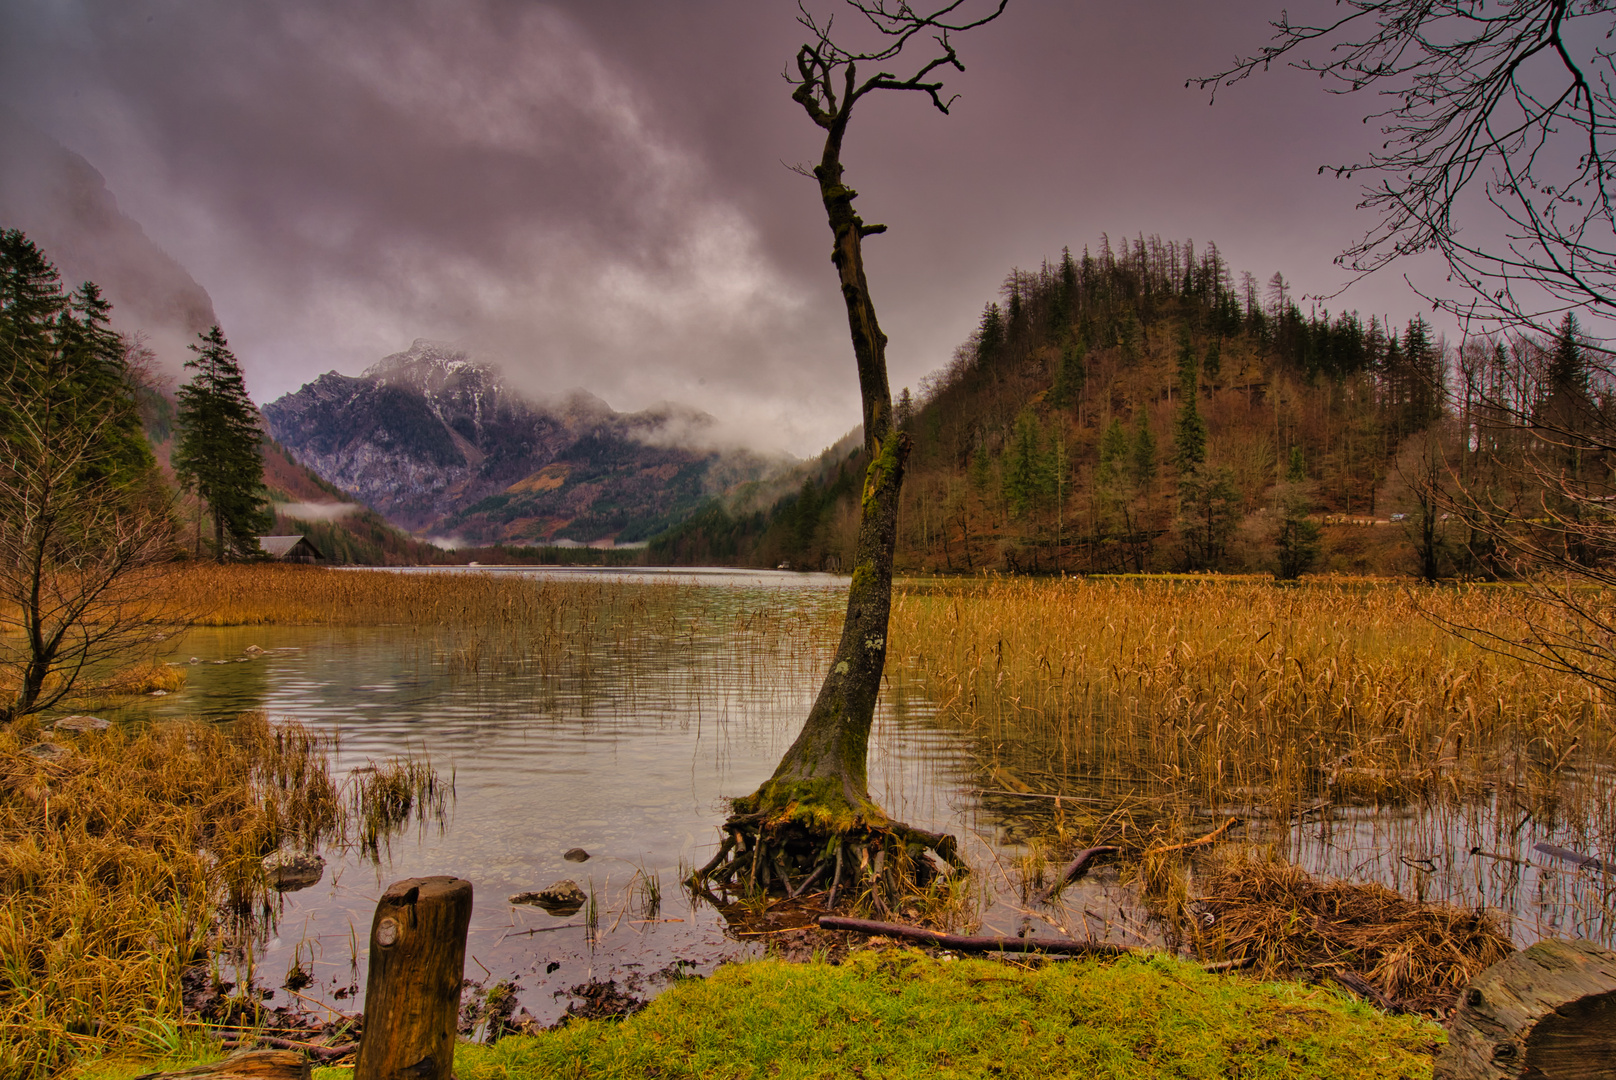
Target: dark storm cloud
column 593, row 193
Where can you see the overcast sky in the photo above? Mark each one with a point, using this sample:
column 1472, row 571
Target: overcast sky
column 593, row 192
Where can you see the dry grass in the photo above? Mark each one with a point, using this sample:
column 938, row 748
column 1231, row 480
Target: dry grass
column 1243, row 693
column 262, row 593
column 1286, row 921
column 145, row 678
column 115, row 860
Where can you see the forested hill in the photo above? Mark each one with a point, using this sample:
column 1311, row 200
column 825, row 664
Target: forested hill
column 1134, row 408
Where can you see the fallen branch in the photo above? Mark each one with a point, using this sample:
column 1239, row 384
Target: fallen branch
column 1584, row 862
column 1210, row 837
column 314, row 1050
column 1368, row 991
column 1074, row 870
column 1227, row 965
column 1479, row 853
column 975, row 944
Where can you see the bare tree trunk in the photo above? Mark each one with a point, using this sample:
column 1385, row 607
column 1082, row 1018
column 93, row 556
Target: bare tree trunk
column 826, row 764
column 816, row 808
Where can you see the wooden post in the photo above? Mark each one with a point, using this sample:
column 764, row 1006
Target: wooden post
column 412, row 994
column 1547, row 1012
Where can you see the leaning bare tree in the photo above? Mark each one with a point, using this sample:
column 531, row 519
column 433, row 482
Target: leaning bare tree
column 83, row 512
column 814, row 817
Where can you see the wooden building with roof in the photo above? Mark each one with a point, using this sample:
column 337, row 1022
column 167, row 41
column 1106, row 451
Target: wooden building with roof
column 290, row 549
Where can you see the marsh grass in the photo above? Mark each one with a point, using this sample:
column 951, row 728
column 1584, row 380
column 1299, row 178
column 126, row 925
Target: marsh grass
column 116, row 861
column 1243, row 694
column 382, row 799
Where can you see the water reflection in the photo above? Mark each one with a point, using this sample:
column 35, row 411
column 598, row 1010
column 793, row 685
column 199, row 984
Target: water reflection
column 625, row 744
column 625, row 748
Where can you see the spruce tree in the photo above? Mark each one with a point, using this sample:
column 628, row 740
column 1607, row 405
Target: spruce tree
column 1296, row 540
column 1142, row 469
column 1189, row 430
column 1069, row 375
column 218, row 452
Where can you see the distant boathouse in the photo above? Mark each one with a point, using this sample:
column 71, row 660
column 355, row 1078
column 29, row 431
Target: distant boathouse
column 290, row 549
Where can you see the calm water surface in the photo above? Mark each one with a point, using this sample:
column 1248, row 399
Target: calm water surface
column 627, row 752
column 627, row 747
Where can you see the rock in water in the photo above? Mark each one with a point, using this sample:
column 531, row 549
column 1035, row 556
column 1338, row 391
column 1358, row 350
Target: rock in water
column 291, row 871
column 576, row 854
column 563, row 898
column 81, row 723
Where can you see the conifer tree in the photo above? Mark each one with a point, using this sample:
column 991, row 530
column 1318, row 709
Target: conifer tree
column 1296, row 540
column 1113, row 453
column 990, row 336
column 1142, row 466
column 218, row 452
column 1189, row 430
column 1069, row 375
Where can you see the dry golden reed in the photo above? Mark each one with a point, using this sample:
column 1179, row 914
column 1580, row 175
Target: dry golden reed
column 116, row 857
column 1240, row 692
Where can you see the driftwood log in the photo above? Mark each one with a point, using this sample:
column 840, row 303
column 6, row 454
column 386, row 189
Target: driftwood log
column 1547, row 1012
column 247, row 1065
column 974, row 944
column 412, row 993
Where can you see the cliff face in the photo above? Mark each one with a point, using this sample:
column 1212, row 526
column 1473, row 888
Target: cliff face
column 440, row 445
column 63, row 204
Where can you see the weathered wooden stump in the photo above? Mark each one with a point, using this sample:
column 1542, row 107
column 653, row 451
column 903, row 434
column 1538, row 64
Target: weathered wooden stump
column 1547, row 1012
column 412, row 994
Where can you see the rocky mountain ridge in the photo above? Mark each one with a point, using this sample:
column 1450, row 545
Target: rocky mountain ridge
column 442, row 445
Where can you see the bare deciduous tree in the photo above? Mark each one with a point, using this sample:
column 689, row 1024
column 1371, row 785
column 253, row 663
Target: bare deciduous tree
column 83, row 514
column 815, row 813
column 1504, row 105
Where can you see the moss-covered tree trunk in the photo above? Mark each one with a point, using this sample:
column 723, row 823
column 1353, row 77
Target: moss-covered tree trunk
column 815, row 812
column 824, row 771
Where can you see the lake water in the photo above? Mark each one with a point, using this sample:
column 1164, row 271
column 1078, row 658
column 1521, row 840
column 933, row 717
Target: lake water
column 626, row 746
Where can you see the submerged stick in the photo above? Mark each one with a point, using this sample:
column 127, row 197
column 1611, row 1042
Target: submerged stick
column 976, row 944
column 1074, row 870
column 1584, row 862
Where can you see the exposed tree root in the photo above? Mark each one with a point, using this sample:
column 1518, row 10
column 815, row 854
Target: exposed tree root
column 788, row 852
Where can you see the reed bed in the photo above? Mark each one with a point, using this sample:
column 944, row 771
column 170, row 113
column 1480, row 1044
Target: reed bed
column 1247, row 693
column 118, row 853
column 1361, row 736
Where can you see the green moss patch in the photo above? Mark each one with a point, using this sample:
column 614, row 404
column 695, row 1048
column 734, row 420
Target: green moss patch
column 901, row 1014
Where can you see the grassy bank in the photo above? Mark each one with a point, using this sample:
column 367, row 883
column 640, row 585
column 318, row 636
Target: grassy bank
column 900, row 1014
